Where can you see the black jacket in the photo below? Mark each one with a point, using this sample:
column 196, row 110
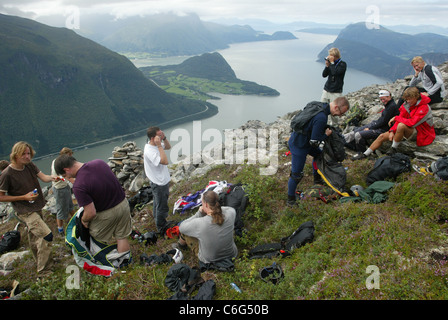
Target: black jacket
column 390, row 110
column 335, row 73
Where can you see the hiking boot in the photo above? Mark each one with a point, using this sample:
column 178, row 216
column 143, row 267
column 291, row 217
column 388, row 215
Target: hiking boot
column 359, row 156
column 164, row 232
column 422, row 170
column 292, row 201
column 391, row 151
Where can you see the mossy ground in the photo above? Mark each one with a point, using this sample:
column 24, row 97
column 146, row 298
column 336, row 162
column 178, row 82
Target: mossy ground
column 403, row 239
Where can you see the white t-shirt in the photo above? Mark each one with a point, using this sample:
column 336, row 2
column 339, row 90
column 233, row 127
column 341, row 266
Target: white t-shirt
column 155, row 171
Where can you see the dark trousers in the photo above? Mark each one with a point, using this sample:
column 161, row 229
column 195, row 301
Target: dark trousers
column 361, row 145
column 297, row 164
column 160, row 205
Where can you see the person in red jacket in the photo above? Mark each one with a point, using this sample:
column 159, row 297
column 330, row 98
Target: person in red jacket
column 415, row 118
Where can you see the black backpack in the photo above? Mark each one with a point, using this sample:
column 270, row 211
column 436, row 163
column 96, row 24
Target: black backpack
column 301, row 119
column 10, row 241
column 334, row 148
column 441, row 168
column 143, row 196
column 389, row 167
column 236, row 197
column 301, row 236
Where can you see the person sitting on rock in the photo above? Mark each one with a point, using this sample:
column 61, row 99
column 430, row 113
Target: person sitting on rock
column 357, row 139
column 431, row 79
column 415, row 119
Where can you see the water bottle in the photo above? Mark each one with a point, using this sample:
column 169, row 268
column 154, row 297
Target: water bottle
column 234, row 286
column 34, row 193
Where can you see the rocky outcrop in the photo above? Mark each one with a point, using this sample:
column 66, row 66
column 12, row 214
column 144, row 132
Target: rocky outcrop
column 259, row 142
column 127, row 164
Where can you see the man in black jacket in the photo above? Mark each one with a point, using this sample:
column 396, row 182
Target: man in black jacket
column 357, row 139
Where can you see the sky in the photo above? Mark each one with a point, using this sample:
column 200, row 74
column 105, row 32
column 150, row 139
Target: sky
column 382, row 12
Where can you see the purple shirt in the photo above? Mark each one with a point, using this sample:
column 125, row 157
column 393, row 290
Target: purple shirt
column 95, row 182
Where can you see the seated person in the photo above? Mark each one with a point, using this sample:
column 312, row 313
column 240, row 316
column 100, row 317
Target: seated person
column 356, row 139
column 212, row 229
column 431, row 79
column 415, row 118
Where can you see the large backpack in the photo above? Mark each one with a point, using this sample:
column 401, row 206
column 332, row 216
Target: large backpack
column 328, row 164
column 301, row 119
column 389, row 167
column 334, row 147
column 301, row 236
column 236, row 197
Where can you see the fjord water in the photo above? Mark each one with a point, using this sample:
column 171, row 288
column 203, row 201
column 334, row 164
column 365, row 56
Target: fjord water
column 288, row 66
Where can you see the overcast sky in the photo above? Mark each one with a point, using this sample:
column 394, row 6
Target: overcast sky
column 384, row 12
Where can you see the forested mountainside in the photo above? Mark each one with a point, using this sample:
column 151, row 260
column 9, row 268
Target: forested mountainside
column 60, row 89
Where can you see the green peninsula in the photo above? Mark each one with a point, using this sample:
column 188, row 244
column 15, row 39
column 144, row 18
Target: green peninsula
column 197, row 77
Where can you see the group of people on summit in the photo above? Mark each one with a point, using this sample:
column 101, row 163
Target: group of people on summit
column 209, row 233
column 410, row 118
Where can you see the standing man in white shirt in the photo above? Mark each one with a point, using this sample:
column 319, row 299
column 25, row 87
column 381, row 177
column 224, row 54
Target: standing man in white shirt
column 156, row 169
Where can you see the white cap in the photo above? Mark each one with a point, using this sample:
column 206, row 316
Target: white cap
column 384, row 93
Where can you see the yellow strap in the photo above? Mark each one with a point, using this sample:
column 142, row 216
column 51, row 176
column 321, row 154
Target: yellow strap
column 343, row 194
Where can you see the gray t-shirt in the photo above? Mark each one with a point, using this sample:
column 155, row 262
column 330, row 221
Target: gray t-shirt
column 215, row 241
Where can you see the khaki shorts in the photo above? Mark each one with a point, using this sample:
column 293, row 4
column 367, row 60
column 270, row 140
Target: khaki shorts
column 413, row 136
column 329, row 96
column 192, row 243
column 114, row 223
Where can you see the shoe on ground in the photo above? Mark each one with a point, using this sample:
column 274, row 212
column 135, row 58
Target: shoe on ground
column 359, row 156
column 292, row 201
column 422, row 170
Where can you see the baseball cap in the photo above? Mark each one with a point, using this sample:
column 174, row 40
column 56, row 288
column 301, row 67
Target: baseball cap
column 384, row 93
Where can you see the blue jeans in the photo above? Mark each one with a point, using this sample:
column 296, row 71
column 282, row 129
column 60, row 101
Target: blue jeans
column 160, row 205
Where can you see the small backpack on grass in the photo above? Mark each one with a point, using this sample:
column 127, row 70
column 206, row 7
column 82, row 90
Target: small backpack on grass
column 9, row 241
column 301, row 236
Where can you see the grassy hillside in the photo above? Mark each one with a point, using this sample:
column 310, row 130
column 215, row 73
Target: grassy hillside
column 196, row 77
column 404, row 237
column 59, row 89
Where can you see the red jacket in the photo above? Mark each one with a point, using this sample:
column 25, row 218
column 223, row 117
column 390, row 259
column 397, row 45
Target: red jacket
column 413, row 117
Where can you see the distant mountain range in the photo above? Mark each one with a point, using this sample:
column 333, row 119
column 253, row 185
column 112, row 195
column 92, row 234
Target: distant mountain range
column 59, row 89
column 386, row 53
column 171, row 35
